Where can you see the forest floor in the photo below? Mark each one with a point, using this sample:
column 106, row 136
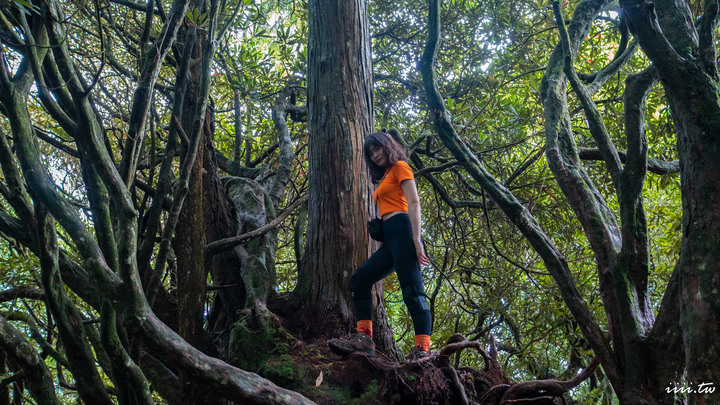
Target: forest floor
column 271, row 349
column 309, row 367
column 362, row 379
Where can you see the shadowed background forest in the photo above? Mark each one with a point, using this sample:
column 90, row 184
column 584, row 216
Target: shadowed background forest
column 184, row 197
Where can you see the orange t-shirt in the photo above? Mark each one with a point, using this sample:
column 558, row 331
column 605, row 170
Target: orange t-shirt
column 389, row 195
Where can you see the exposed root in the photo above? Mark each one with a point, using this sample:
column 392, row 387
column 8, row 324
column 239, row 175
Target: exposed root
column 544, row 400
column 432, row 380
column 451, row 348
column 494, row 394
column 443, row 363
column 538, row 391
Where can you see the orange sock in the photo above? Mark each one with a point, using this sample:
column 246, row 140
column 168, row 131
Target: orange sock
column 423, row 342
column 365, row 327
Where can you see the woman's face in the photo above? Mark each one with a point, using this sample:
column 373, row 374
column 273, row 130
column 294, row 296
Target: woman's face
column 378, row 156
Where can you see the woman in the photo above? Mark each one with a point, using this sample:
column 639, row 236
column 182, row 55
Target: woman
column 397, row 200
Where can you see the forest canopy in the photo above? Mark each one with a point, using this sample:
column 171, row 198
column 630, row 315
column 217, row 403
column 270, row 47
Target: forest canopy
column 183, row 197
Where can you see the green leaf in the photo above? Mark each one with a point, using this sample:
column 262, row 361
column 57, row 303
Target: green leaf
column 25, row 7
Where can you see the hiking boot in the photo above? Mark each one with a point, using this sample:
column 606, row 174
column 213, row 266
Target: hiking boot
column 358, row 342
column 416, row 354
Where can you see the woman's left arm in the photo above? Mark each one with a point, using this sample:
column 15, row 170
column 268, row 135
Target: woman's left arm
column 411, row 195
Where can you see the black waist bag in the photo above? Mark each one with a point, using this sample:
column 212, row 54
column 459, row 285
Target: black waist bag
column 375, row 229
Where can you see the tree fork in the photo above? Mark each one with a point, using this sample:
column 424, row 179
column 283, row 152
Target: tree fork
column 630, row 267
column 681, row 55
column 518, row 214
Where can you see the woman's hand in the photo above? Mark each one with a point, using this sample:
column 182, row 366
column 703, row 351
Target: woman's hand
column 422, row 259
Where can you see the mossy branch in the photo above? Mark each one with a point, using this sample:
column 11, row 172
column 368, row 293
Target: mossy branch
column 597, row 125
column 228, row 243
column 516, row 212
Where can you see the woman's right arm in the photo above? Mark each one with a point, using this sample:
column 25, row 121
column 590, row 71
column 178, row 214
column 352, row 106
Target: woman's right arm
column 411, row 195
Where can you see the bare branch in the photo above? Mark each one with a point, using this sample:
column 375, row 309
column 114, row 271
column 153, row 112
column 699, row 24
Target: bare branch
column 452, row 348
column 22, row 292
column 145, row 37
column 622, row 56
column 47, row 137
column 656, row 166
column 36, row 53
column 143, row 92
column 438, row 168
column 134, row 6
column 228, row 243
column 285, row 156
column 434, row 182
column 17, row 194
column 528, row 391
column 166, row 177
column 96, row 77
column 517, row 172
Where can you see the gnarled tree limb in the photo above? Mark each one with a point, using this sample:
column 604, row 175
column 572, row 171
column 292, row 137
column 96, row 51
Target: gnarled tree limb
column 518, row 214
column 656, row 166
column 141, row 99
column 36, row 374
column 228, row 243
column 529, row 390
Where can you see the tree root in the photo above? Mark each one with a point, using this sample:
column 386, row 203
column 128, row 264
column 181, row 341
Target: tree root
column 547, row 399
column 443, row 363
column 538, row 391
column 382, row 380
column 429, row 380
column 453, row 346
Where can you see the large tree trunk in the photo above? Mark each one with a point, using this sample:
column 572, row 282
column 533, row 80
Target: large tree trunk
column 682, row 48
column 340, row 115
column 697, row 122
column 189, row 239
column 699, row 266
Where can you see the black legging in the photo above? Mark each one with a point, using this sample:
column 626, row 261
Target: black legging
column 398, row 250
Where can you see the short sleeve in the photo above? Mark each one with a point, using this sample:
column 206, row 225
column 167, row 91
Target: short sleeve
column 402, row 172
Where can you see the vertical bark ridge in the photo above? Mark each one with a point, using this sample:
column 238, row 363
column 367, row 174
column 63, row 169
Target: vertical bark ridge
column 339, row 114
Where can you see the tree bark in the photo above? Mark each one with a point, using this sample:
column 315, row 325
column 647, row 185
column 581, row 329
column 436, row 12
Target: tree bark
column 340, row 114
column 81, row 361
column 684, row 55
column 189, row 240
column 37, row 375
column 190, row 235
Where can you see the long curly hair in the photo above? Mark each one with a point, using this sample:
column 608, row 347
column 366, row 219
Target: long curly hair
column 392, row 148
